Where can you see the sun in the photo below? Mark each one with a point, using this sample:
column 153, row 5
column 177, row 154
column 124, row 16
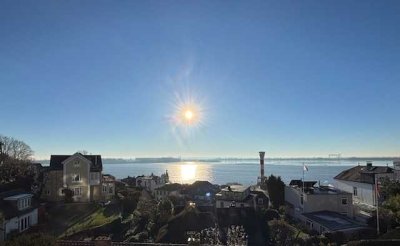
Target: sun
column 188, row 114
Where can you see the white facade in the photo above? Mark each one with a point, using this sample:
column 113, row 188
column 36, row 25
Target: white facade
column 362, row 192
column 152, row 182
column 20, row 223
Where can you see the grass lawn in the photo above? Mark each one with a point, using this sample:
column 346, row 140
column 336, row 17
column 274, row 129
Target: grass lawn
column 67, row 219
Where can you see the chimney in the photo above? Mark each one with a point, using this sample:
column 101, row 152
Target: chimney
column 369, row 165
column 262, row 154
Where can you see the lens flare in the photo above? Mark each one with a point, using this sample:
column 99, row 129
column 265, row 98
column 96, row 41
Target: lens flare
column 188, row 113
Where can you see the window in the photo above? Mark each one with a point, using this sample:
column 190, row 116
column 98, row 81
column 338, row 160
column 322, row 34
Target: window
column 110, row 189
column 221, row 204
column 76, row 178
column 24, row 223
column 24, row 203
column 76, row 164
column 260, row 201
column 355, row 191
column 77, row 191
column 344, row 201
column 301, row 199
column 48, row 192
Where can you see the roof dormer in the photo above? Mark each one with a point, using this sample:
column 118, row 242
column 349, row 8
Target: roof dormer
column 21, row 201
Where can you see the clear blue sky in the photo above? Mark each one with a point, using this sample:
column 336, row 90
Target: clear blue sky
column 294, row 78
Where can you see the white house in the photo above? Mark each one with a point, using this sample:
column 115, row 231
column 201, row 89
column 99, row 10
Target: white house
column 152, row 182
column 18, row 213
column 360, row 181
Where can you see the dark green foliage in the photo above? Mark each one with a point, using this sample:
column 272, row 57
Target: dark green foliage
column 270, row 214
column 390, row 188
column 276, row 191
column 130, row 200
column 336, row 237
column 190, row 219
column 35, row 239
column 281, row 233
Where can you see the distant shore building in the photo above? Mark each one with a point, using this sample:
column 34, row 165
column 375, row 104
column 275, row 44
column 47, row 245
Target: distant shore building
column 150, row 183
column 316, row 206
column 18, row 212
column 82, row 174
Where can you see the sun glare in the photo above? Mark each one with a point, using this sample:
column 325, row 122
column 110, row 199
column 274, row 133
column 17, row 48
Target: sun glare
column 188, row 172
column 188, row 115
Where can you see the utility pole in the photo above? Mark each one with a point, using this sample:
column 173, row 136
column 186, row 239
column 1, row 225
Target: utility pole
column 377, row 204
column 1, row 152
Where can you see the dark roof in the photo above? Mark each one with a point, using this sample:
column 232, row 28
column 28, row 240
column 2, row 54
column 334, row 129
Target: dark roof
column 299, row 183
column 108, row 178
column 362, row 174
column 333, row 221
column 95, row 166
column 170, row 187
column 260, row 194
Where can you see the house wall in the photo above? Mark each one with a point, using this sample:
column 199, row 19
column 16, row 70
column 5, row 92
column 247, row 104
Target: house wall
column 108, row 190
column 13, row 223
column 160, row 194
column 365, row 192
column 330, row 202
column 95, row 193
column 318, row 202
column 83, row 169
column 292, row 196
column 53, row 185
column 95, row 178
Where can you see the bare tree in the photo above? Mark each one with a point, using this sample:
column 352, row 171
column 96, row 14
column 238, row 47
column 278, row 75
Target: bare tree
column 15, row 149
column 83, row 152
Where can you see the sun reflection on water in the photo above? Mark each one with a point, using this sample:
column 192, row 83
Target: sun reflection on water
column 188, row 172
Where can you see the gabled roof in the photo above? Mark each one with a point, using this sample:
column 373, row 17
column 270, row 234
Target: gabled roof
column 363, row 174
column 56, row 162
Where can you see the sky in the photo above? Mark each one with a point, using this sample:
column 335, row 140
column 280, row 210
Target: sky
column 292, row 78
